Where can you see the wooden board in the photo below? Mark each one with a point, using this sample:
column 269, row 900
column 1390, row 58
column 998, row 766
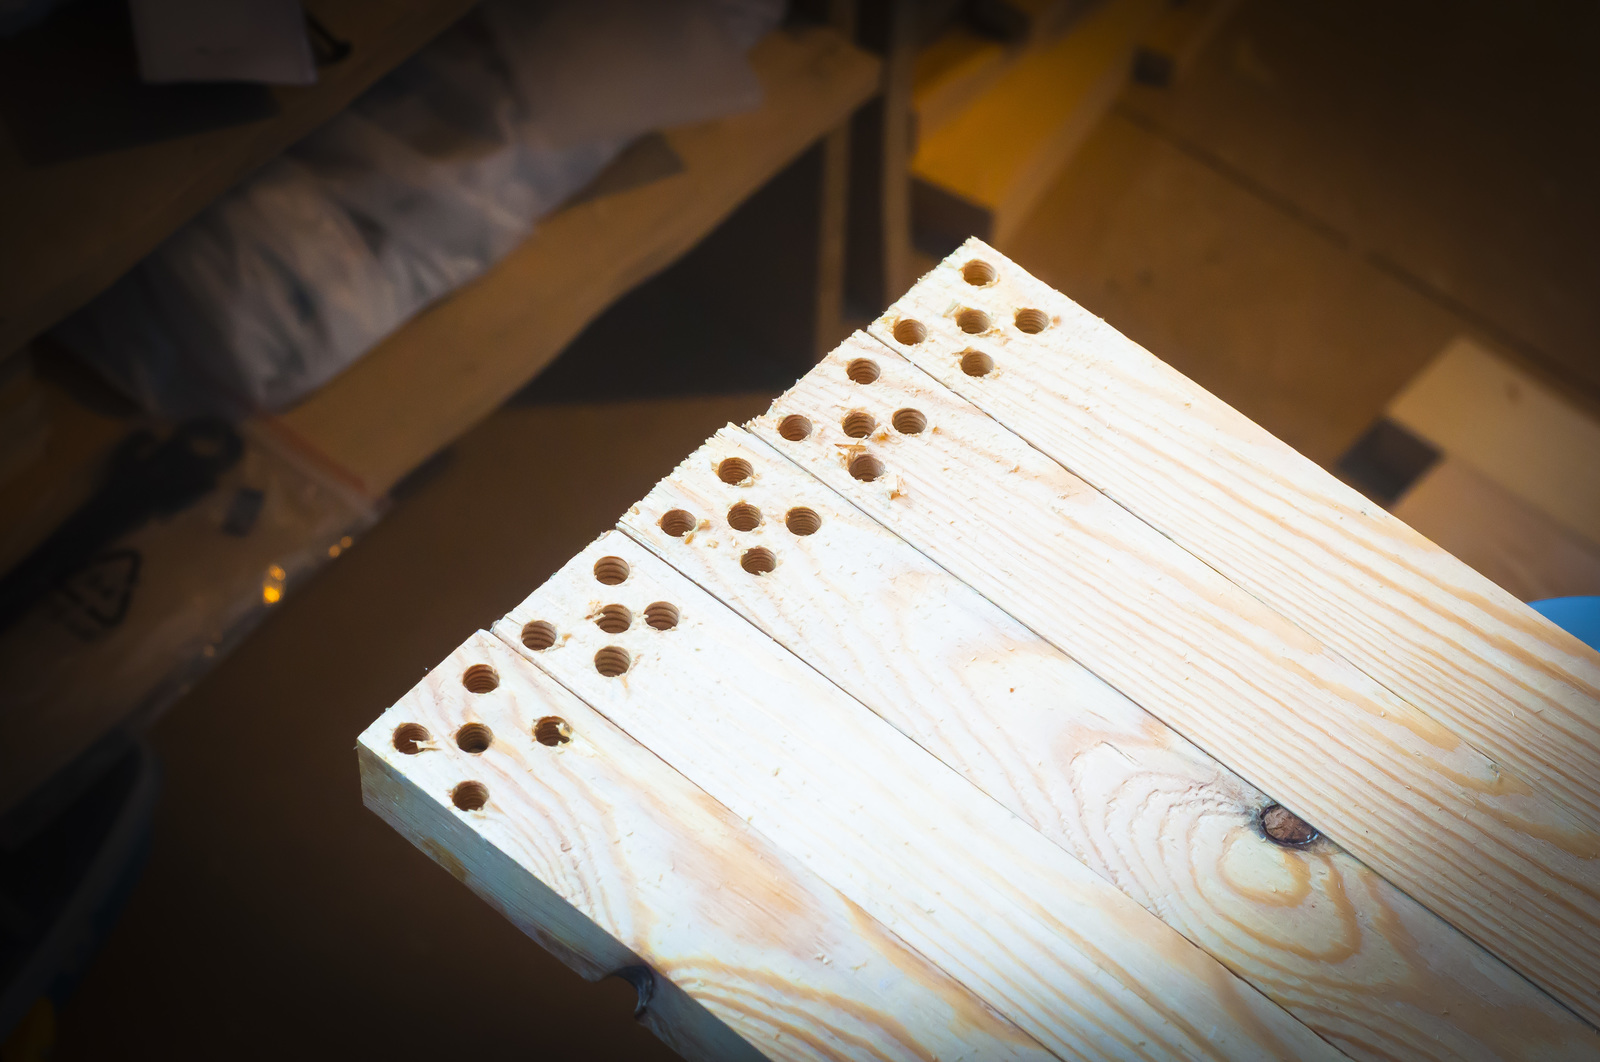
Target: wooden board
column 1214, row 663
column 1031, row 733
column 1348, row 954
column 1425, row 625
column 89, row 219
column 1051, row 946
column 465, row 355
column 614, row 862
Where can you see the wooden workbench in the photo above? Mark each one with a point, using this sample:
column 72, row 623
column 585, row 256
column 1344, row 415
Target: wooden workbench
column 1001, row 693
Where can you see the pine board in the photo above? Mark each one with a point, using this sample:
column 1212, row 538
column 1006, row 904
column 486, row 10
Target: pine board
column 1428, row 627
column 1215, row 664
column 616, row 862
column 1067, row 957
column 951, row 664
column 1350, row 955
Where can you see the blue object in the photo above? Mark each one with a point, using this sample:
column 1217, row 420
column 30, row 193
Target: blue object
column 1578, row 616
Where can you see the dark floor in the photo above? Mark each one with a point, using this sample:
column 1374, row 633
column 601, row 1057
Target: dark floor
column 1334, row 193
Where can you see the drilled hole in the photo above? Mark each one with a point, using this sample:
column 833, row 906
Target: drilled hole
column 862, row 370
column 611, row 570
column 552, row 730
column 758, row 561
column 474, row 738
column 470, row 796
column 795, row 428
column 538, row 635
column 744, row 517
column 976, row 363
column 858, row 424
column 480, row 678
column 972, row 321
column 910, row 332
column 612, row 661
column 408, row 737
column 662, row 615
column 909, row 421
column 614, row 619
column 735, row 470
column 1285, row 827
column 677, row 522
column 978, row 273
column 1032, row 321
column 865, row 467
column 802, row 521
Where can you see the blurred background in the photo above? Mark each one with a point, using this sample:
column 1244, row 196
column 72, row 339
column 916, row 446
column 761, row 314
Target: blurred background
column 329, row 330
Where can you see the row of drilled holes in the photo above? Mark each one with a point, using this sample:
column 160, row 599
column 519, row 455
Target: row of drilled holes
column 742, row 516
column 858, row 423
column 910, row 331
column 614, row 619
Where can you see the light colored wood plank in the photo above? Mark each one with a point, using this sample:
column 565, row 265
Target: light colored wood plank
column 73, row 227
column 1502, row 537
column 1410, row 614
column 1348, row 954
column 1438, row 634
column 1395, row 789
column 1031, row 930
column 1480, row 409
column 465, row 355
column 610, row 859
column 1001, row 153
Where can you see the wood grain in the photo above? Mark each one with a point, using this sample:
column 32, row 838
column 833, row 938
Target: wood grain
column 1029, row 929
column 1399, row 792
column 611, row 860
column 1419, row 621
column 1348, row 954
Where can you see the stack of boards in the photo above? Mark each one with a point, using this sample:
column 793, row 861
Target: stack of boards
column 1000, row 693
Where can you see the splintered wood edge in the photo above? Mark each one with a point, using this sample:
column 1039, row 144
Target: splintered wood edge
column 943, row 665
column 619, row 866
column 978, row 891
column 1259, row 694
column 1411, row 615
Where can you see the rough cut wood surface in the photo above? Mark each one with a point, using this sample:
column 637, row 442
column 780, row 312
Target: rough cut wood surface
column 613, row 861
column 1466, row 652
column 1395, row 789
column 1049, row 944
column 1347, row 953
